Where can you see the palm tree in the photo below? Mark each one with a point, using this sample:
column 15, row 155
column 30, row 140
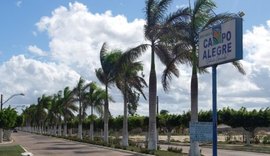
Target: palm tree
column 29, row 116
column 106, row 76
column 127, row 81
column 154, row 30
column 79, row 91
column 54, row 113
column 188, row 23
column 41, row 111
column 68, row 107
column 110, row 68
column 94, row 98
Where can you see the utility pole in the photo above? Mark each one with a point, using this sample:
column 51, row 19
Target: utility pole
column 157, row 106
column 1, row 101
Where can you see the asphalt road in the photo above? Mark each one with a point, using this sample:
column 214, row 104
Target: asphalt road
column 48, row 146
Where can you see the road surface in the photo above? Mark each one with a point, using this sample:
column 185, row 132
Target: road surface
column 48, row 146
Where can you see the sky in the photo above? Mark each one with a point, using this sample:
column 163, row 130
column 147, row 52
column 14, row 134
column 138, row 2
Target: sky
column 46, row 45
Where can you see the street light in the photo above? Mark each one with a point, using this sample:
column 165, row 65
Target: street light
column 2, row 103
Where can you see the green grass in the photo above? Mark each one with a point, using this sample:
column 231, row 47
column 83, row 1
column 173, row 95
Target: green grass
column 14, row 150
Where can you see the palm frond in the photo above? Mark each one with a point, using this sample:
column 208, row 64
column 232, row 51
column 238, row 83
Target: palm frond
column 102, row 54
column 101, row 76
column 239, row 67
column 217, row 19
column 162, row 8
column 182, row 14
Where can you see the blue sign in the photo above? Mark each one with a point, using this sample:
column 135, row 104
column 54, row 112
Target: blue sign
column 221, row 44
column 201, row 131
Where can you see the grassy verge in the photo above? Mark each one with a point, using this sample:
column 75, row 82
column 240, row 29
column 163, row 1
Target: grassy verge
column 14, row 150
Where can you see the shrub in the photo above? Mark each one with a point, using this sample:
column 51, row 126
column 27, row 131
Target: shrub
column 266, row 139
column 175, row 149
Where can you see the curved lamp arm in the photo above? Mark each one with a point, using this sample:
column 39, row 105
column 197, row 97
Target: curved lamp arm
column 2, row 103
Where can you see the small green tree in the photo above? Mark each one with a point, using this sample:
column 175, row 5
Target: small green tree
column 8, row 117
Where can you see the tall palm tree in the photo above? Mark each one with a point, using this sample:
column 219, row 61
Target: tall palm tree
column 30, row 117
column 155, row 11
column 106, row 76
column 68, row 107
column 109, row 70
column 188, row 23
column 79, row 91
column 54, row 113
column 127, row 81
column 94, row 99
column 42, row 111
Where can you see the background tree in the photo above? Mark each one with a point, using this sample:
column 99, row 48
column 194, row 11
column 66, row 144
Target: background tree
column 42, row 111
column 68, row 107
column 153, row 30
column 94, row 99
column 106, row 75
column 129, row 82
column 8, row 118
column 79, row 92
column 168, row 123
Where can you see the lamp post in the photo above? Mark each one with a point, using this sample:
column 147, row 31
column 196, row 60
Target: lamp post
column 2, row 103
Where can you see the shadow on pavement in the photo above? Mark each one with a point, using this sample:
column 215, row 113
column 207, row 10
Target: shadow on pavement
column 63, row 148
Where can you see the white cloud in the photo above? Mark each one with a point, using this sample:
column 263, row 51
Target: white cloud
column 37, row 51
column 34, row 78
column 77, row 34
column 19, row 4
column 257, row 45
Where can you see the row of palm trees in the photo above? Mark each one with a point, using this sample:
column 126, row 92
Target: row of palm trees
column 119, row 68
column 173, row 38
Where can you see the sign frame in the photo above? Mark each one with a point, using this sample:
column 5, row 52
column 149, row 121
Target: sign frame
column 209, row 46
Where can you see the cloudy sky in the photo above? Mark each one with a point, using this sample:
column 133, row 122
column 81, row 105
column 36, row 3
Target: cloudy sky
column 46, row 45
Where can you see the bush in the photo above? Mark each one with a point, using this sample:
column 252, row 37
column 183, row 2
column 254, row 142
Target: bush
column 175, row 149
column 266, row 139
column 8, row 118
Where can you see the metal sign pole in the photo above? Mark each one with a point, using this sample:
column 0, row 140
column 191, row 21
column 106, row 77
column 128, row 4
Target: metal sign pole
column 214, row 107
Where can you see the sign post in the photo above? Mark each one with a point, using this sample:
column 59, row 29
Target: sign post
column 220, row 44
column 214, row 109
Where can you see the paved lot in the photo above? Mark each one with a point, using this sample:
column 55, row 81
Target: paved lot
column 49, row 146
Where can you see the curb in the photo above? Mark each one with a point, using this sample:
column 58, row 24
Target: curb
column 26, row 153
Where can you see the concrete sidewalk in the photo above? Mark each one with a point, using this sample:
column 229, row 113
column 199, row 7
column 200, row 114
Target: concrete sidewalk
column 48, row 146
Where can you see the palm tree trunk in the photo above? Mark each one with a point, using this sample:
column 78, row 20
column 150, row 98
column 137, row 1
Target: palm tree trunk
column 1, row 135
column 65, row 129
column 54, row 130
column 152, row 144
column 92, row 125
column 60, row 129
column 194, row 146
column 80, row 131
column 125, row 121
column 80, row 121
column 106, row 119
